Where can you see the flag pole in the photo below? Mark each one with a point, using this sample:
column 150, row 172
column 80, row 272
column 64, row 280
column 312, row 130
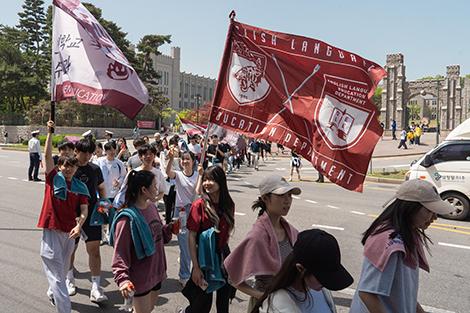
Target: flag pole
column 231, row 16
column 53, row 88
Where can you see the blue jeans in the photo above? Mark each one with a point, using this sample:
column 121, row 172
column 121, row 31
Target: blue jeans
column 185, row 257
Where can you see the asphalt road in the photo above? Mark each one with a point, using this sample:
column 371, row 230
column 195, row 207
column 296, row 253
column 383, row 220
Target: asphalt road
column 343, row 213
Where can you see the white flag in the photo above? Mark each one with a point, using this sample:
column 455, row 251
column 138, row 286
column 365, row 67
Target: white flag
column 87, row 65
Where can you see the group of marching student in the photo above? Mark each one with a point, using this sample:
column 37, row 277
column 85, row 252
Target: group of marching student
column 280, row 268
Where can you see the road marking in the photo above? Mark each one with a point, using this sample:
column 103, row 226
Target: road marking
column 453, row 246
column 451, row 230
column 233, row 178
column 12, row 178
column 372, row 215
column 332, row 207
column 311, row 201
column 429, row 309
column 296, row 197
column 358, row 213
column 280, row 168
column 25, row 180
column 247, row 182
column 450, row 226
column 240, row 213
column 327, row 227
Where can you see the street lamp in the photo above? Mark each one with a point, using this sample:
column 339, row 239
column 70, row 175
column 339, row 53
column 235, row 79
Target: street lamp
column 198, row 99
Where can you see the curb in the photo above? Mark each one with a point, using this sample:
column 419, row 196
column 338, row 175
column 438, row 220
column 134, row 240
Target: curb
column 392, row 181
column 398, row 155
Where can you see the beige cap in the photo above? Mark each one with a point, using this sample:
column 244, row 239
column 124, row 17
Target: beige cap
column 424, row 192
column 277, row 185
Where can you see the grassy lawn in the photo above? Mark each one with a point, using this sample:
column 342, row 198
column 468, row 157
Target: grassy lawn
column 394, row 175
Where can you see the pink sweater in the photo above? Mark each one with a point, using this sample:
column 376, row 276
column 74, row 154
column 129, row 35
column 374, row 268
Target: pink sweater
column 258, row 253
column 148, row 272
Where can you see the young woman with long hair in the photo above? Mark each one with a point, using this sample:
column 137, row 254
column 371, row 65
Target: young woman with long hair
column 393, row 250
column 269, row 242
column 215, row 209
column 138, row 235
column 306, row 276
column 185, row 182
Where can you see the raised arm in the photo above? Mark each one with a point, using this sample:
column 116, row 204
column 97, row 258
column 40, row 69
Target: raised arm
column 200, row 171
column 48, row 147
column 169, row 165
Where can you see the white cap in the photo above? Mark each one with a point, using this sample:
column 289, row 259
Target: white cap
column 109, row 132
column 87, row 133
column 35, row 132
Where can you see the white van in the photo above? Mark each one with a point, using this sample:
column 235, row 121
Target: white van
column 447, row 166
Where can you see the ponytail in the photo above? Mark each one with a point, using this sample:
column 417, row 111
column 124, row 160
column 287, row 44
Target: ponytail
column 135, row 182
column 259, row 204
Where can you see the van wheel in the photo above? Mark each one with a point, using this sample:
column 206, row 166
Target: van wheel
column 460, row 203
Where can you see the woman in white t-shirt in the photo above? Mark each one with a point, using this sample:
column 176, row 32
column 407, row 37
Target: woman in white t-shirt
column 185, row 181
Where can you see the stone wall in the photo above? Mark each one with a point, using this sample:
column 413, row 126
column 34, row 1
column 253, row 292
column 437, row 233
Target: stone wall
column 16, row 133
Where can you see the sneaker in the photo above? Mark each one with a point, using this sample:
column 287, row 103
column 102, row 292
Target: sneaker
column 71, row 288
column 183, row 281
column 97, row 295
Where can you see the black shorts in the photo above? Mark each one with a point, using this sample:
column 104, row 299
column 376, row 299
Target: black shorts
column 93, row 233
column 156, row 288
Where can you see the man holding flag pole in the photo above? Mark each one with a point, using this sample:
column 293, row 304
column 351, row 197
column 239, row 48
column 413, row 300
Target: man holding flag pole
column 89, row 67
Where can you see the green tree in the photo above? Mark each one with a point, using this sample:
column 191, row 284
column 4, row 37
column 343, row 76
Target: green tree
column 32, row 23
column 377, row 97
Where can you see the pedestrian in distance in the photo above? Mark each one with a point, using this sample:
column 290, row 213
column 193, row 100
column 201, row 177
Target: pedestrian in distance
column 417, row 134
column 90, row 174
column 393, row 128
column 210, row 223
column 108, row 135
column 393, row 250
column 123, row 152
column 138, row 235
column 410, row 136
column 98, row 152
column 306, row 277
column 5, row 136
column 63, row 197
column 295, row 163
column 403, row 137
column 260, row 255
column 35, row 158
column 185, row 184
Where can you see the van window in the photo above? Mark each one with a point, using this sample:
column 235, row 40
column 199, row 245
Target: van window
column 457, row 152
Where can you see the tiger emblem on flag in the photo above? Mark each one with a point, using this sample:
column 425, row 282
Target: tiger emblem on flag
column 247, row 83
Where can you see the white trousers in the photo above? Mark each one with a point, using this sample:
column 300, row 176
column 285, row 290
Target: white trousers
column 56, row 249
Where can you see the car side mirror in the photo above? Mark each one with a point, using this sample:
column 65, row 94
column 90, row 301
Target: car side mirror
column 427, row 162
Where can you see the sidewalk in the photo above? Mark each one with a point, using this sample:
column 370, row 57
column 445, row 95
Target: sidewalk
column 389, row 148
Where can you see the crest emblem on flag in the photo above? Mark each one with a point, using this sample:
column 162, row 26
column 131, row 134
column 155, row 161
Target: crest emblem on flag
column 341, row 125
column 247, row 82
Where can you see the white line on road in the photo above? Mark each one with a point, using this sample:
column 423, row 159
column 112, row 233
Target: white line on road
column 453, row 246
column 235, row 178
column 12, row 178
column 429, row 309
column 25, row 180
column 280, row 168
column 240, row 213
column 332, row 207
column 327, row 227
column 295, row 197
column 311, row 201
column 358, row 213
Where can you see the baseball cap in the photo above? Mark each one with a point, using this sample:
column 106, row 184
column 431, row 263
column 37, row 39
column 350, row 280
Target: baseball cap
column 277, row 185
column 35, row 132
column 109, row 132
column 87, row 133
column 424, row 192
column 318, row 252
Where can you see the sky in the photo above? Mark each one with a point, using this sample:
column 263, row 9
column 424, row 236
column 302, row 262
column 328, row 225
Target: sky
column 431, row 34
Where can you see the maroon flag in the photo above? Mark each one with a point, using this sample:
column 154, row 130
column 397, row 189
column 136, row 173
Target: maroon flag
column 192, row 128
column 303, row 93
column 88, row 66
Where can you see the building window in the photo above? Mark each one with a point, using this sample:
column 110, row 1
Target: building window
column 186, row 90
column 193, row 89
column 210, row 93
column 205, row 94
